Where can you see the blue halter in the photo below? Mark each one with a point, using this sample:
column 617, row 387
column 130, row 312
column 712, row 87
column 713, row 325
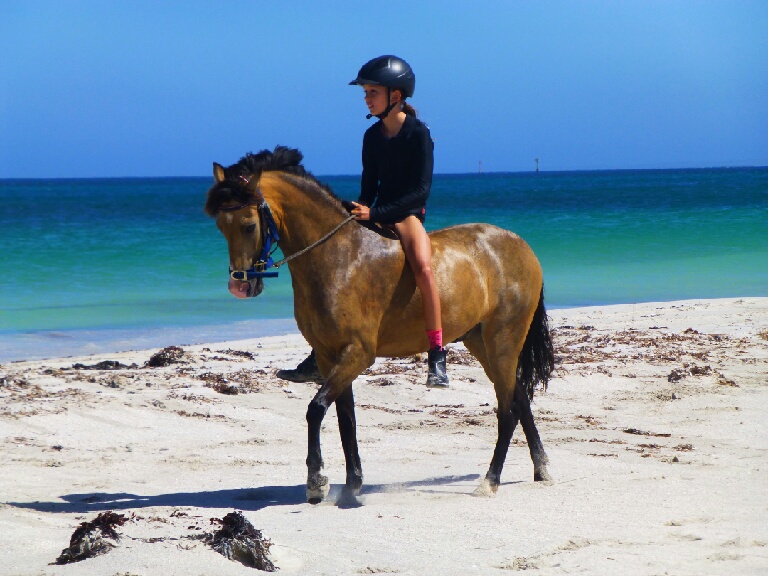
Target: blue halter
column 269, row 240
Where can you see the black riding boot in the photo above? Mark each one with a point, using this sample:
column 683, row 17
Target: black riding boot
column 437, row 377
column 306, row 371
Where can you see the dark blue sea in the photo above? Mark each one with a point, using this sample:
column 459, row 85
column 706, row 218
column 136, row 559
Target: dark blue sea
column 99, row 265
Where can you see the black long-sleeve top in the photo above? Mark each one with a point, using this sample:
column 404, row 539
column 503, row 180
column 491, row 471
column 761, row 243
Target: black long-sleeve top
column 397, row 172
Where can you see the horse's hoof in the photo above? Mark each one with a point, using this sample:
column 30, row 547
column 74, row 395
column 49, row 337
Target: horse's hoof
column 317, row 495
column 486, row 489
column 354, row 483
column 348, row 498
column 544, row 477
column 317, row 489
column 435, row 383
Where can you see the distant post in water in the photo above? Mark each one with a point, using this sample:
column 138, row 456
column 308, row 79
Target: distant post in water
column 537, row 164
column 480, row 167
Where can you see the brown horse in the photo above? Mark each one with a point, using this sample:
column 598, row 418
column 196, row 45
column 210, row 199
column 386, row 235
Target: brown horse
column 355, row 298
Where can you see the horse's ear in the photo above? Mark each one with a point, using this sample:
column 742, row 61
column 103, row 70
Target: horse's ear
column 218, row 173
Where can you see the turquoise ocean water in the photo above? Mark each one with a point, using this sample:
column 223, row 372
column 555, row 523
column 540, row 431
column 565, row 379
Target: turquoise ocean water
column 100, row 265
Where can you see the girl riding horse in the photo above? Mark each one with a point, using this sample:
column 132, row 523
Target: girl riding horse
column 395, row 185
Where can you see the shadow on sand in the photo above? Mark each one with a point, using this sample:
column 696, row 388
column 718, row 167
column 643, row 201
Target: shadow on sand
column 246, row 499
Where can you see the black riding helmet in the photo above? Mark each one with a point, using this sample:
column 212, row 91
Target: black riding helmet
column 390, row 71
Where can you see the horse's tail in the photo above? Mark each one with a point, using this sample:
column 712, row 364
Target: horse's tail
column 537, row 359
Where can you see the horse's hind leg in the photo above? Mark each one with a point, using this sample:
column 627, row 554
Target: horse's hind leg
column 500, row 365
column 507, row 415
column 538, row 455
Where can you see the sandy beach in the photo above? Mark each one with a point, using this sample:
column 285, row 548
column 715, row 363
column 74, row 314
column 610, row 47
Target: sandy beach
column 655, row 423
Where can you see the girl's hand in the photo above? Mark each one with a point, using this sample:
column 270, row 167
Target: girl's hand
column 361, row 212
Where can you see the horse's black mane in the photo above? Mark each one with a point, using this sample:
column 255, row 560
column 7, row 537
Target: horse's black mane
column 252, row 165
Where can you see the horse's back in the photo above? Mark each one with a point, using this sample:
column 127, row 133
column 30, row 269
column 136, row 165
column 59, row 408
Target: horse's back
column 495, row 249
column 474, row 232
column 484, row 273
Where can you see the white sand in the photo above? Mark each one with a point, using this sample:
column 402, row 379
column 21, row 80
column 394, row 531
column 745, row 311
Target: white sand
column 657, row 437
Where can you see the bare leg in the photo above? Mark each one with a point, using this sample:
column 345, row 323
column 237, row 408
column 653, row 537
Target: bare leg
column 418, row 252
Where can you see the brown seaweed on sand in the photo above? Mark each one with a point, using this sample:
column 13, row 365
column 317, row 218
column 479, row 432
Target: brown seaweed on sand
column 105, row 365
column 166, row 357
column 238, row 540
column 92, row 538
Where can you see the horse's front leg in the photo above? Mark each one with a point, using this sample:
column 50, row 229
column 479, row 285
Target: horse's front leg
column 345, row 412
column 337, row 388
column 317, row 484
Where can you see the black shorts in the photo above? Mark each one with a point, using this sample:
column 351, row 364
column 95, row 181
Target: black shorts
column 421, row 215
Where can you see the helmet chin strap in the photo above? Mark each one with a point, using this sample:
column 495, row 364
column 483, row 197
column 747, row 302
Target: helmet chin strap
column 387, row 110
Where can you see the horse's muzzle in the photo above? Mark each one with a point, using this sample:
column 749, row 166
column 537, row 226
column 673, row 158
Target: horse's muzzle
column 245, row 289
column 255, row 287
column 254, row 276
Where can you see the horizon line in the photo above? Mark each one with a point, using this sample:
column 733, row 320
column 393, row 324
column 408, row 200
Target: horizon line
column 483, row 173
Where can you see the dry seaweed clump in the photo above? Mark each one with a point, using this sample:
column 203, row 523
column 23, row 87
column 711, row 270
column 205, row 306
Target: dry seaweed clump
column 240, row 382
column 459, row 356
column 219, row 383
column 92, row 538
column 238, row 540
column 166, row 357
column 105, row 365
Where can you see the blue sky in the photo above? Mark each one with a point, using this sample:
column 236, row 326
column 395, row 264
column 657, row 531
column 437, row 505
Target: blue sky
column 165, row 88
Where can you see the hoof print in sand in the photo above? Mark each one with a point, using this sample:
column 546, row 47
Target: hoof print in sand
column 92, row 538
column 238, row 540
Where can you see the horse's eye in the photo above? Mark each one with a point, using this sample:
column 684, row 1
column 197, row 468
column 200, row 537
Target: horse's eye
column 251, row 229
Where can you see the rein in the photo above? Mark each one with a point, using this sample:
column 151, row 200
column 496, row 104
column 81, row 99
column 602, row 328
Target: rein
column 270, row 236
column 316, row 244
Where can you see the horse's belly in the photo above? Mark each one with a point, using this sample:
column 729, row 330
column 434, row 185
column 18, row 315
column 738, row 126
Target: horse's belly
column 403, row 330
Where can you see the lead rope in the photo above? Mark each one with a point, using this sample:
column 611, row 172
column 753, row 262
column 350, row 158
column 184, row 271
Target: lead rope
column 308, row 248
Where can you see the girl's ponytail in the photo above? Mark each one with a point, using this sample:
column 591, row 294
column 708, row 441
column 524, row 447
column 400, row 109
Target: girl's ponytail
column 409, row 110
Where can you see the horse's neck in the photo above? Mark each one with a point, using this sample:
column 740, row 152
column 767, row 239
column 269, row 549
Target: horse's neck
column 301, row 218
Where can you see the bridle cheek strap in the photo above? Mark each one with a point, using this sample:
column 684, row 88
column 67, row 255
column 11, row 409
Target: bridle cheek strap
column 269, row 240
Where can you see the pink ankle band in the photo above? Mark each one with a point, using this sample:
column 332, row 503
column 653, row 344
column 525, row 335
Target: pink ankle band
column 435, row 338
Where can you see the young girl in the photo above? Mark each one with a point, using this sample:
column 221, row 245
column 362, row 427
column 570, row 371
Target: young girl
column 397, row 176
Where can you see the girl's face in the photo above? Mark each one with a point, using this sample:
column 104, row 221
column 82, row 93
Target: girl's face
column 376, row 98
